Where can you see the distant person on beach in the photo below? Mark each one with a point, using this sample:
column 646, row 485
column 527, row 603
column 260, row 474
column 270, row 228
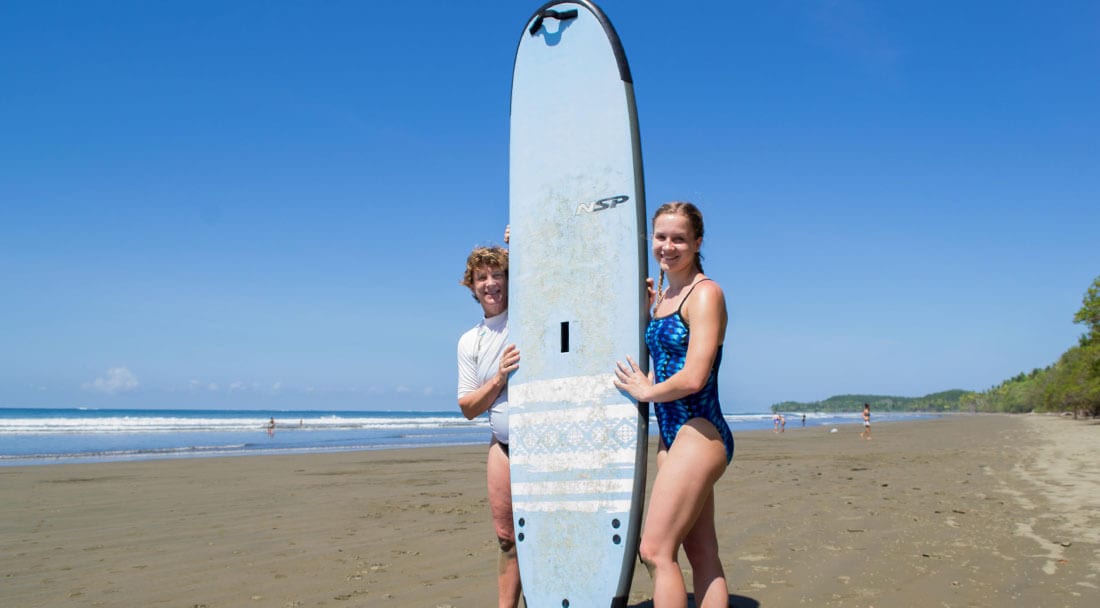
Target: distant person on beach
column 485, row 359
column 684, row 336
column 866, row 434
column 775, row 423
column 782, row 424
column 803, row 420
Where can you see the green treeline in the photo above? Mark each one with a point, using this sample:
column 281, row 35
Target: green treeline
column 946, row 401
column 1071, row 384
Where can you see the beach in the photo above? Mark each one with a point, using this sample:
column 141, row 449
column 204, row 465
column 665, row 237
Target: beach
column 964, row 510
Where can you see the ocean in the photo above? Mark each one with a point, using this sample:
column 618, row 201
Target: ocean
column 32, row 436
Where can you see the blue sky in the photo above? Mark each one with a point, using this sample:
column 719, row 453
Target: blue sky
column 268, row 204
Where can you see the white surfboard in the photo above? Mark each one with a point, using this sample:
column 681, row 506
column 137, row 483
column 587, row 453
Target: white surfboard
column 576, row 305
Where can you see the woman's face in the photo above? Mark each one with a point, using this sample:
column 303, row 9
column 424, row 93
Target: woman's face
column 491, row 290
column 674, row 242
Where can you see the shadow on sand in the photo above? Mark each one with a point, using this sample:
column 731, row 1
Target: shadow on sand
column 735, row 601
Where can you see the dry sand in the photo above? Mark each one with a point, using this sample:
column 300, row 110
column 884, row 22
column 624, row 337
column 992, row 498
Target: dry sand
column 981, row 510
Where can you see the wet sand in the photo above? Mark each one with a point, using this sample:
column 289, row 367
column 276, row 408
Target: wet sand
column 983, row 510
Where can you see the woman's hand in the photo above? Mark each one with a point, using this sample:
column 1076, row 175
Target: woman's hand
column 630, row 378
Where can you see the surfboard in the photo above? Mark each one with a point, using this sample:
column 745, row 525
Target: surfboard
column 577, row 300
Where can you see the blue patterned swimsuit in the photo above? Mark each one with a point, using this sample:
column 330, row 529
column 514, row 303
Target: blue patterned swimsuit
column 667, row 339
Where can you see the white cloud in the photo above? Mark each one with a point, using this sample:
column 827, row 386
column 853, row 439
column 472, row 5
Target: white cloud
column 236, row 386
column 117, row 380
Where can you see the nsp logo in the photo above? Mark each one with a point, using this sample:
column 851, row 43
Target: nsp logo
column 602, row 204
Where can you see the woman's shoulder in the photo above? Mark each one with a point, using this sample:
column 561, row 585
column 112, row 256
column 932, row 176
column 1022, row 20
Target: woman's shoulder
column 705, row 298
column 709, row 289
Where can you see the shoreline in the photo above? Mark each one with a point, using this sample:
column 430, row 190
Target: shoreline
column 149, row 435
column 963, row 510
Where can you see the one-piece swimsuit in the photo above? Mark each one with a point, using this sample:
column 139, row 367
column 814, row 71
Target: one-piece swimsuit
column 667, row 339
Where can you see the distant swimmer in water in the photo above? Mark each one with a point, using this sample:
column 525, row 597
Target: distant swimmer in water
column 271, row 427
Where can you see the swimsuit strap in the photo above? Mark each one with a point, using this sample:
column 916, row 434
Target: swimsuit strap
column 681, row 306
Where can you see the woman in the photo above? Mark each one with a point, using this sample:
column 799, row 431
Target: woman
column 685, row 338
column 484, row 363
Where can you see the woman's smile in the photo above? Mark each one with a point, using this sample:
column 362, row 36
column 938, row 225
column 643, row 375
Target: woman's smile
column 674, row 242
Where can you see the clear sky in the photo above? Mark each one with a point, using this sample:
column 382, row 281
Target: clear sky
column 268, row 204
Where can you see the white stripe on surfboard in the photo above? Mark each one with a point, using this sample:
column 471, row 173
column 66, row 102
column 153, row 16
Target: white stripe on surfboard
column 576, row 486
column 565, row 461
column 578, row 506
column 595, row 389
column 570, row 416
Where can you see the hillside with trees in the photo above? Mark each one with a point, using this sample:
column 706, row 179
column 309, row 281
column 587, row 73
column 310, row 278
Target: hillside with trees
column 946, row 401
column 1071, row 384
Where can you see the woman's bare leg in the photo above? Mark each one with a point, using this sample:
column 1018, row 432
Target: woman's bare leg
column 681, row 492
column 701, row 548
